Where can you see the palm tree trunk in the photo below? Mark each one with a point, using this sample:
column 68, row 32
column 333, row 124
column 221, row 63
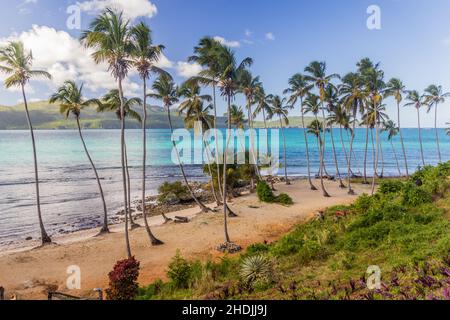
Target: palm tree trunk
column 154, row 241
column 382, row 158
column 219, row 182
column 133, row 224
column 420, row 137
column 396, row 159
column 312, row 186
column 199, row 203
column 350, row 190
column 105, row 228
column 437, row 132
column 45, row 239
column 225, row 207
column 401, row 139
column 373, row 153
column 377, row 152
column 124, row 177
column 365, row 155
column 213, row 188
column 284, row 150
column 341, row 184
column 252, row 139
column 322, row 155
column 343, row 144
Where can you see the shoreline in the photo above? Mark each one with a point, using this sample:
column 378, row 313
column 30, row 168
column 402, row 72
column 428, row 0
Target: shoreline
column 31, row 273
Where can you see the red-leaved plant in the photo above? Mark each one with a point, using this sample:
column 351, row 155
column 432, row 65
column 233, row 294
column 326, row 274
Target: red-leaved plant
column 123, row 280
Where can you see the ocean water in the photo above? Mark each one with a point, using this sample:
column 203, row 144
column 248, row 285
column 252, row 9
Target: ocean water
column 69, row 193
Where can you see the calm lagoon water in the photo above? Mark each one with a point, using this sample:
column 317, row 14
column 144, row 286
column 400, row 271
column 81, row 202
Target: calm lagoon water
column 70, row 199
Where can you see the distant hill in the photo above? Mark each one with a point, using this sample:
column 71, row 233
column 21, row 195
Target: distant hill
column 47, row 116
column 294, row 122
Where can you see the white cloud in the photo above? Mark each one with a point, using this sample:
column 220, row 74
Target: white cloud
column 270, row 36
column 248, row 33
column 187, row 70
column 231, row 44
column 132, row 9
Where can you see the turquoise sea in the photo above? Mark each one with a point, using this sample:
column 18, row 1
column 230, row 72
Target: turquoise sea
column 70, row 199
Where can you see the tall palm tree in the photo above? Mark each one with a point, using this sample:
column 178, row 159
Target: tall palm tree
column 352, row 99
column 299, row 88
column 193, row 106
column 433, row 96
column 145, row 55
column 167, row 92
column 70, row 98
column 395, row 88
column 228, row 82
column 316, row 74
column 17, row 64
column 237, row 117
column 109, row 37
column 392, row 131
column 281, row 110
column 417, row 101
column 263, row 107
column 111, row 102
column 332, row 101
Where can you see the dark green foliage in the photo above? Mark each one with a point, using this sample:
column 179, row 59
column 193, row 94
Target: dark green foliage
column 413, row 195
column 265, row 194
column 172, row 190
column 180, row 272
column 257, row 248
column 390, row 186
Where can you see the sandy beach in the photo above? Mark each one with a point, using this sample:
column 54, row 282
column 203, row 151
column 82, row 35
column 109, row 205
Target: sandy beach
column 29, row 273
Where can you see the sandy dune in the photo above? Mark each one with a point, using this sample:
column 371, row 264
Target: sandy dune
column 30, row 273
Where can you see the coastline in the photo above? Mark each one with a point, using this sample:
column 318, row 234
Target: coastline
column 29, row 272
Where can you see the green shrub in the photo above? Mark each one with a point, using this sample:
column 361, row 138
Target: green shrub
column 123, row 280
column 176, row 190
column 415, row 196
column 265, row 194
column 180, row 272
column 284, row 199
column 390, row 186
column 257, row 248
column 256, row 269
column 363, row 203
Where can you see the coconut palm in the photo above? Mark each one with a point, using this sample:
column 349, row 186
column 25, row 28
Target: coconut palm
column 281, row 110
column 417, row 101
column 237, row 117
column 167, row 92
column 109, row 37
column 434, row 95
column 111, row 102
column 17, row 64
column 396, row 89
column 392, row 131
column 145, row 56
column 352, row 100
column 316, row 75
column 70, row 98
column 299, row 88
column 193, row 107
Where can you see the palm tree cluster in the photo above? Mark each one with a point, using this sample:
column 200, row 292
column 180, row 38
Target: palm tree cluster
column 338, row 103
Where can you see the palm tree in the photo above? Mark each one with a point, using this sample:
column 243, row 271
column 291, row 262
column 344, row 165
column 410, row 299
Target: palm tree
column 228, row 82
column 417, row 101
column 17, row 65
column 392, row 131
column 396, row 89
column 447, row 131
column 145, row 55
column 167, row 92
column 70, row 98
column 110, row 38
column 193, row 106
column 299, row 88
column 263, row 107
column 111, row 102
column 281, row 109
column 332, row 100
column 352, row 99
column 434, row 96
column 237, row 117
column 316, row 74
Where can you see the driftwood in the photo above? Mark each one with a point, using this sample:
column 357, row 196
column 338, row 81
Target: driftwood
column 181, row 220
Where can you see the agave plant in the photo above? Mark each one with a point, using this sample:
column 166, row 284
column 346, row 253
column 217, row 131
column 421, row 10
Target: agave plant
column 256, row 269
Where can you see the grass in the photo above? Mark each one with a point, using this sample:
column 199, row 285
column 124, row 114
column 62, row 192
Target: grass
column 403, row 229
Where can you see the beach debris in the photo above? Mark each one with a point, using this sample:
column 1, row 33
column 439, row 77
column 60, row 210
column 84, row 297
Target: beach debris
column 229, row 247
column 181, row 219
column 28, row 238
column 253, row 207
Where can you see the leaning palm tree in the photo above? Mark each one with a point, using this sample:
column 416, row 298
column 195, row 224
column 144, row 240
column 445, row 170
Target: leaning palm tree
column 262, row 102
column 167, row 92
column 145, row 56
column 71, row 101
column 17, row 65
column 392, row 131
column 396, row 89
column 433, row 97
column 109, row 37
column 316, row 75
column 417, row 101
column 299, row 88
column 111, row 102
column 281, row 110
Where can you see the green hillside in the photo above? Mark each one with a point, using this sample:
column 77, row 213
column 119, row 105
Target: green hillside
column 294, row 122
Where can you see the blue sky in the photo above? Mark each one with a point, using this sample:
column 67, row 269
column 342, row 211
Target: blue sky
column 282, row 37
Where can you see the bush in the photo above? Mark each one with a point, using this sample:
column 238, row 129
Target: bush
column 256, row 270
column 180, row 272
column 123, row 280
column 414, row 196
column 284, row 199
column 265, row 194
column 257, row 248
column 390, row 186
column 169, row 192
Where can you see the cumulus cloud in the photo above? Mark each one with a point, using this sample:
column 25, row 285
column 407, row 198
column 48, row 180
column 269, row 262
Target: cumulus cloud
column 231, row 44
column 270, row 36
column 132, row 9
column 187, row 70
